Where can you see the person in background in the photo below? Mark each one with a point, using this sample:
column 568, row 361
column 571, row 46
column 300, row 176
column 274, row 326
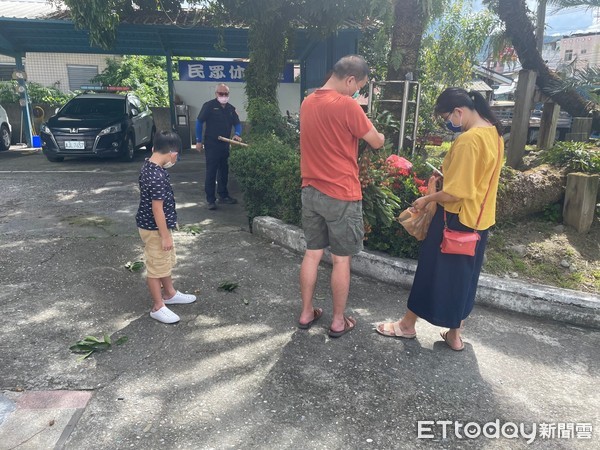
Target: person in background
column 155, row 219
column 331, row 123
column 220, row 117
column 443, row 291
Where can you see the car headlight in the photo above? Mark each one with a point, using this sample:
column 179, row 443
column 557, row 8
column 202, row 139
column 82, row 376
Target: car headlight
column 44, row 128
column 110, row 130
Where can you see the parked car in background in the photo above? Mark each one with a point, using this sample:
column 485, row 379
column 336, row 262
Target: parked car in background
column 103, row 125
column 504, row 111
column 5, row 130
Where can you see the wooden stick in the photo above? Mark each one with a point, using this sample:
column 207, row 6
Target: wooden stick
column 231, row 141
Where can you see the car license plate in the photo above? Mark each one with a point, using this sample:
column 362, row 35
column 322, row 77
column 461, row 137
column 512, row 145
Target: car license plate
column 74, row 145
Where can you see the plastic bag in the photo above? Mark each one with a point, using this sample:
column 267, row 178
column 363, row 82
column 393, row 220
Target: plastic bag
column 416, row 223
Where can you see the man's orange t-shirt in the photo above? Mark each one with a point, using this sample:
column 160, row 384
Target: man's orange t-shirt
column 330, row 126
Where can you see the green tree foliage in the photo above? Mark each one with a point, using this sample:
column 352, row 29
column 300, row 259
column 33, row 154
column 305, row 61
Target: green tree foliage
column 145, row 75
column 269, row 21
column 449, row 53
column 101, row 17
column 270, row 25
column 37, row 94
column 564, row 4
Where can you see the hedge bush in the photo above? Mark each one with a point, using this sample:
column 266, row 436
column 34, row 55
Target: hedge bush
column 268, row 172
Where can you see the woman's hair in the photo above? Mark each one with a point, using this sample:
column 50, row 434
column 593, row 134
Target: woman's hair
column 456, row 97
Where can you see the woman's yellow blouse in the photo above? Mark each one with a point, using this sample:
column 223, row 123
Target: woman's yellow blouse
column 468, row 169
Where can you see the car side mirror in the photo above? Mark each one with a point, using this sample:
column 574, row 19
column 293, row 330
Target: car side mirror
column 56, row 110
column 134, row 112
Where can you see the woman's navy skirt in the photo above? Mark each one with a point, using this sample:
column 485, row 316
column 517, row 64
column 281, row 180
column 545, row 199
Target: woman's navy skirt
column 443, row 291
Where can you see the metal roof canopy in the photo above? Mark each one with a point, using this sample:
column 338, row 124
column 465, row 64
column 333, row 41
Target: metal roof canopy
column 48, row 35
column 18, row 36
column 61, row 36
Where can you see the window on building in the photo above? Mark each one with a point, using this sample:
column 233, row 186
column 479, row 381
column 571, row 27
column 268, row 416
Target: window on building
column 583, row 51
column 6, row 71
column 80, row 75
column 568, row 55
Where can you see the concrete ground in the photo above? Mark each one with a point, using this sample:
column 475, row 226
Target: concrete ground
column 236, row 372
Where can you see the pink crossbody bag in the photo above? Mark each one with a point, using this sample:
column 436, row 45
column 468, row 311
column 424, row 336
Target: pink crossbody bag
column 465, row 242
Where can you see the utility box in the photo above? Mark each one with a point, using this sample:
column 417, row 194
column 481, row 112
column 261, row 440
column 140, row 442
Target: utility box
column 184, row 128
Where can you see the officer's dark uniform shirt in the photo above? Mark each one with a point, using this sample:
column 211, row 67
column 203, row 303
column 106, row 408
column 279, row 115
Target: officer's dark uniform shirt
column 219, row 120
column 155, row 185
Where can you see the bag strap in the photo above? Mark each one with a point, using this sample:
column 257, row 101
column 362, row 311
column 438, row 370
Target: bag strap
column 486, row 193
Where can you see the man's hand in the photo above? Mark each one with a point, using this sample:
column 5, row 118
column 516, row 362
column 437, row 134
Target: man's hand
column 167, row 242
column 237, row 138
column 199, row 147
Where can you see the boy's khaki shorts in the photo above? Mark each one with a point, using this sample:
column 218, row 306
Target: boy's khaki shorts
column 159, row 263
column 327, row 221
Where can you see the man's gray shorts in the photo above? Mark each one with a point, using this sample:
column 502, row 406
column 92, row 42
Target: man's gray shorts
column 327, row 221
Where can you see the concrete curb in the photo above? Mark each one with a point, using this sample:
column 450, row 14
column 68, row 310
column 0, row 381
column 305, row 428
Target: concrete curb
column 564, row 305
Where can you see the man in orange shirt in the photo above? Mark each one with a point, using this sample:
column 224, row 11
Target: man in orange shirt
column 331, row 123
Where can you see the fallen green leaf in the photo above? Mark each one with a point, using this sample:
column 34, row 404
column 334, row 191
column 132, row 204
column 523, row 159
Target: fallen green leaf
column 246, row 302
column 134, row 266
column 228, row 286
column 191, row 229
column 91, row 344
column 121, row 340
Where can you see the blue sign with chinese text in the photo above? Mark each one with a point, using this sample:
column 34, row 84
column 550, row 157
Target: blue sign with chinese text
column 223, row 71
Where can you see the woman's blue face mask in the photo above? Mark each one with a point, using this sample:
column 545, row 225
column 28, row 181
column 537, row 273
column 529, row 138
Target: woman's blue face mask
column 450, row 125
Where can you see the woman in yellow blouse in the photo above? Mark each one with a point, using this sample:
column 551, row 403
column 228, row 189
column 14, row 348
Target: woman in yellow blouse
column 443, row 291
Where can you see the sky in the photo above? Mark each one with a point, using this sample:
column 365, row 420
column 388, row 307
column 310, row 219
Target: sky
column 557, row 22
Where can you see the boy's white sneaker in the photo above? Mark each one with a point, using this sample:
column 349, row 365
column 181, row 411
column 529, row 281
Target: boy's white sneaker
column 164, row 315
column 180, row 299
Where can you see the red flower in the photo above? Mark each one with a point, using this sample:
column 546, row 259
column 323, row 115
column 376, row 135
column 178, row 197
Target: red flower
column 423, row 189
column 418, row 181
column 399, row 163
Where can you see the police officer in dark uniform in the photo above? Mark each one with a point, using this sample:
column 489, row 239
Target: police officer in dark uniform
column 219, row 116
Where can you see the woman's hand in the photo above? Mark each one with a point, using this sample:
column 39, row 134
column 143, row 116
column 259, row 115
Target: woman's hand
column 421, row 202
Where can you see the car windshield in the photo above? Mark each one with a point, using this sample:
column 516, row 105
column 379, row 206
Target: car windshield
column 104, row 107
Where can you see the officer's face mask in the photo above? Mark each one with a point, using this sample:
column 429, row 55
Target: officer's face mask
column 223, row 97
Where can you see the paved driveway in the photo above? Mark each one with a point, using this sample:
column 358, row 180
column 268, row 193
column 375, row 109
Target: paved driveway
column 236, row 372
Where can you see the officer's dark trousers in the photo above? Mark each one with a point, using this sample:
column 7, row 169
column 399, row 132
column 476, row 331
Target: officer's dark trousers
column 217, row 172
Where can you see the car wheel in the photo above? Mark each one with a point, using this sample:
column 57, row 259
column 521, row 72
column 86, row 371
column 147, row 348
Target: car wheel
column 128, row 150
column 55, row 158
column 4, row 138
column 151, row 141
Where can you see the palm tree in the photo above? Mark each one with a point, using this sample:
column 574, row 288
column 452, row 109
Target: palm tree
column 520, row 30
column 563, row 4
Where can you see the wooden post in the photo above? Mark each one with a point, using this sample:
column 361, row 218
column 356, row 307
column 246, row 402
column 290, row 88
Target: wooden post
column 580, row 200
column 548, row 124
column 520, row 120
column 580, row 129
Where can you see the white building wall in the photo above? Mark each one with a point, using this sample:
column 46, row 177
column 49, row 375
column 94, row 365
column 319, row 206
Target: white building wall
column 50, row 69
column 585, row 50
column 196, row 93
